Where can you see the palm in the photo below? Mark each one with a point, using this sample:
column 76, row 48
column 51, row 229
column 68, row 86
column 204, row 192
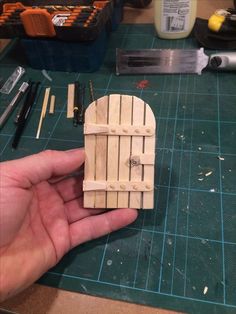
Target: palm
column 46, row 224
column 48, row 219
column 51, row 212
column 41, row 220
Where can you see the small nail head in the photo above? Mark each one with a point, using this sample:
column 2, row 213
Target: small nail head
column 123, row 187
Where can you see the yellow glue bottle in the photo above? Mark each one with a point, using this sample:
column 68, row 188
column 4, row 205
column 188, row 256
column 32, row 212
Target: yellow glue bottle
column 174, row 19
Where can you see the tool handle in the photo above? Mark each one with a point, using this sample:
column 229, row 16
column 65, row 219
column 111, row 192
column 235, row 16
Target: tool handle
column 76, row 103
column 29, row 101
column 9, row 109
column 223, row 61
column 17, row 135
column 16, row 99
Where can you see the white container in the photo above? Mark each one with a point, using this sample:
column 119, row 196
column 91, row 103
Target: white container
column 174, row 18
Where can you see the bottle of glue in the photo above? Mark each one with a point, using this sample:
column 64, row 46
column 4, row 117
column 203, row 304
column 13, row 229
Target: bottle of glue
column 174, row 19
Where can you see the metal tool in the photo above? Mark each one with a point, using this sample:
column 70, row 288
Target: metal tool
column 91, row 91
column 160, row 61
column 78, row 110
column 12, row 80
column 28, row 103
column 13, row 104
column 76, row 105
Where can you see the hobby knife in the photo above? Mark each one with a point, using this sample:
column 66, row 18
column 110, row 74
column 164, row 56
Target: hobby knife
column 13, row 103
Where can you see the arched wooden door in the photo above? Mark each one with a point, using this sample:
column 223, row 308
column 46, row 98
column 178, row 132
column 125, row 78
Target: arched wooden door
column 120, row 153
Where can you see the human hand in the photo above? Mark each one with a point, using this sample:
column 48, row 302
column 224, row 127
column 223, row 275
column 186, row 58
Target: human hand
column 42, row 218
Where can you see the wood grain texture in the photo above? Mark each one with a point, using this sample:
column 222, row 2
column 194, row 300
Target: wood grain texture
column 52, row 104
column 113, row 148
column 116, row 159
column 149, row 148
column 42, row 299
column 136, row 172
column 43, row 111
column 115, row 130
column 90, row 153
column 117, row 185
column 101, row 151
column 125, row 142
column 70, row 100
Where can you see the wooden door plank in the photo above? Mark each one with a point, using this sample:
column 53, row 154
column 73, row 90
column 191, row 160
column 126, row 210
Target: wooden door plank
column 90, row 145
column 101, row 151
column 125, row 141
column 149, row 148
column 135, row 200
column 113, row 148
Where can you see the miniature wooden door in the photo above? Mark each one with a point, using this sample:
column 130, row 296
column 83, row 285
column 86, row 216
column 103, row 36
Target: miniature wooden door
column 120, row 153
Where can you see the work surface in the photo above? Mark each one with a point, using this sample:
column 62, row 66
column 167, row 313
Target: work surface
column 182, row 254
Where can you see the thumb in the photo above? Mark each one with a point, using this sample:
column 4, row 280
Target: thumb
column 45, row 165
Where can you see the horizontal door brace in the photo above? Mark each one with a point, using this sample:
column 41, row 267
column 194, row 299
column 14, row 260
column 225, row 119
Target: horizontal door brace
column 108, row 129
column 117, row 186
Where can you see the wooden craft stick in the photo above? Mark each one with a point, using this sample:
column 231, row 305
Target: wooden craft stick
column 44, row 110
column 113, row 149
column 113, row 129
column 117, row 186
column 148, row 169
column 70, row 100
column 101, row 151
column 90, row 149
column 125, row 141
column 52, row 104
column 135, row 200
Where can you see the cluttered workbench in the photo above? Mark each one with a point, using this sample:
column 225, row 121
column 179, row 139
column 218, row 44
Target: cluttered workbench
column 184, row 251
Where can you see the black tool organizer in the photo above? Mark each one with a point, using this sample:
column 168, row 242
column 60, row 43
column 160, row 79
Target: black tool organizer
column 14, row 27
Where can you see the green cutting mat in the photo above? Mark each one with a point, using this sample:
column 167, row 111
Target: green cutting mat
column 181, row 255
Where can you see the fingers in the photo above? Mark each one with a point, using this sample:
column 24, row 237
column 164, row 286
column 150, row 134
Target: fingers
column 79, row 173
column 96, row 226
column 75, row 210
column 45, row 165
column 70, row 188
